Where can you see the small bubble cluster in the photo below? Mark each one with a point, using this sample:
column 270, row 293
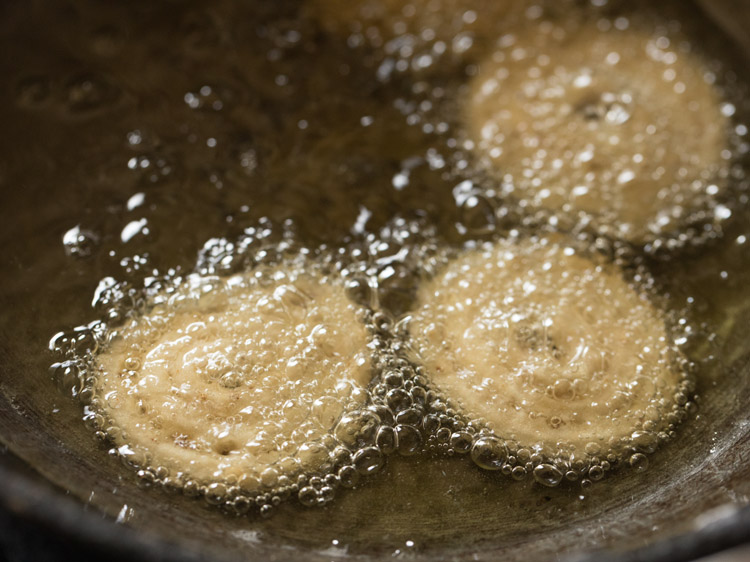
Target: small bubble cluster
column 209, row 97
column 384, row 268
column 79, row 242
column 152, row 167
column 420, row 37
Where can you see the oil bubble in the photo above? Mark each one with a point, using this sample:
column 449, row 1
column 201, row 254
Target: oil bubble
column 387, row 440
column 409, row 440
column 644, row 441
column 639, row 462
column 209, row 97
column 410, row 416
column 489, row 453
column 547, row 475
column 80, row 341
column 398, row 399
column 349, row 476
column 357, row 428
column 152, row 168
column 461, row 442
column 68, row 377
column 596, row 473
column 477, row 215
column 80, row 243
column 308, row 496
column 216, row 493
column 368, row 460
column 518, row 473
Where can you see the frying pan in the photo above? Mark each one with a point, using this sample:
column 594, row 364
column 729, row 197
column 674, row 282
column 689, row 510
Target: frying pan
column 62, row 494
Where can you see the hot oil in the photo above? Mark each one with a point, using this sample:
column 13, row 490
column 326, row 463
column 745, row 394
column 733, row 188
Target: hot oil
column 161, row 138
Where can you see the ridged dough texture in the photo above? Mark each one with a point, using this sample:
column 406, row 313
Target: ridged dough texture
column 231, row 377
column 546, row 346
column 621, row 126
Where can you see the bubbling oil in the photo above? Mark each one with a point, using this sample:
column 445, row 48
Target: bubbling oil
column 517, row 338
column 439, row 201
column 208, row 413
column 580, row 120
column 190, row 378
column 567, row 115
column 236, row 379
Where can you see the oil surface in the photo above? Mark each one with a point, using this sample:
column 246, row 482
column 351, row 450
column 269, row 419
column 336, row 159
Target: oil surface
column 148, row 141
